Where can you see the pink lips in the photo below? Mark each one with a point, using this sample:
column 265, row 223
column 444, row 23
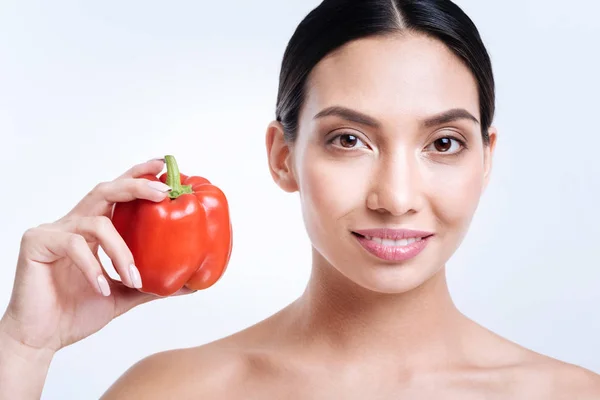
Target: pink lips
column 393, row 252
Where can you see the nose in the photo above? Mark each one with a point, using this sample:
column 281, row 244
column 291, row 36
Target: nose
column 396, row 187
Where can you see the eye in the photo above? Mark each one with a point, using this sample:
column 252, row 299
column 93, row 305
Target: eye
column 447, row 145
column 347, row 141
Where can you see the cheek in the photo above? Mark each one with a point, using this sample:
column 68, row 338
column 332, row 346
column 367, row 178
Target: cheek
column 331, row 188
column 455, row 193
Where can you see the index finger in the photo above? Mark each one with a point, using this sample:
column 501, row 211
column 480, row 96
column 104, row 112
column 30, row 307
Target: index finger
column 152, row 167
column 126, row 187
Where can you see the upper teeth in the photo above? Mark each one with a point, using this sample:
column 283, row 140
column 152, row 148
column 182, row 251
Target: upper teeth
column 392, row 242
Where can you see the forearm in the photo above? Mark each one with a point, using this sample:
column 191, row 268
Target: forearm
column 23, row 369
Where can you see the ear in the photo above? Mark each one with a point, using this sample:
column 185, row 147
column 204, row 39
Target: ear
column 489, row 155
column 279, row 155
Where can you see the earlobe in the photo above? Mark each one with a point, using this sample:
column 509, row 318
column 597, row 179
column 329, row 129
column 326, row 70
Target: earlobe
column 279, row 157
column 489, row 155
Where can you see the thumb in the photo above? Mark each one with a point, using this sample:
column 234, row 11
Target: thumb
column 127, row 298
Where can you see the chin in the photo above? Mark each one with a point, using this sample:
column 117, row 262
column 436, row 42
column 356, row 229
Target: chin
column 390, row 279
column 373, row 270
column 378, row 269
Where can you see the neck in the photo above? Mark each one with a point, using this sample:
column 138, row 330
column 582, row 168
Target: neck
column 345, row 318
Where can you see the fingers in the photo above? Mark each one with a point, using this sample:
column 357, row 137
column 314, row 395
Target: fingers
column 152, row 167
column 74, row 247
column 100, row 200
column 126, row 299
column 102, row 230
column 127, row 189
column 55, row 242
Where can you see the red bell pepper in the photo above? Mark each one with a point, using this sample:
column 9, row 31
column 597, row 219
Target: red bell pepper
column 185, row 240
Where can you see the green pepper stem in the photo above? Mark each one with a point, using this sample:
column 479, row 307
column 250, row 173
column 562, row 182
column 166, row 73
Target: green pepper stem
column 174, row 179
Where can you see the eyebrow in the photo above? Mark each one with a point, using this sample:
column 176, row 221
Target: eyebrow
column 452, row 115
column 348, row 114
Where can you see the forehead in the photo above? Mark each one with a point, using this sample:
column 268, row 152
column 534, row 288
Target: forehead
column 393, row 77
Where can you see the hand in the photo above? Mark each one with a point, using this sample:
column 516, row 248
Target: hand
column 61, row 292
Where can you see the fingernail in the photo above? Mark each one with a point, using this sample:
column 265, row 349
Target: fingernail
column 157, row 159
column 103, row 285
column 136, row 279
column 161, row 187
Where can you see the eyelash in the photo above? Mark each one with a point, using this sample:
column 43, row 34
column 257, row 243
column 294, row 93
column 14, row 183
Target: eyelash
column 461, row 142
column 340, row 135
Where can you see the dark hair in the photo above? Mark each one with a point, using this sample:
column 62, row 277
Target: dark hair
column 336, row 22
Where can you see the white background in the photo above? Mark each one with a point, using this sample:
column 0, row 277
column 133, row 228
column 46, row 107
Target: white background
column 89, row 88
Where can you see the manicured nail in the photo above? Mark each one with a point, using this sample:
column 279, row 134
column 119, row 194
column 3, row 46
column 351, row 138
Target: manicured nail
column 103, row 285
column 136, row 279
column 161, row 187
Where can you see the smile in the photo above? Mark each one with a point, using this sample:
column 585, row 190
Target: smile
column 393, row 244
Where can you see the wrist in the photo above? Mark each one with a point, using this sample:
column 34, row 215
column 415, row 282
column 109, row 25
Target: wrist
column 23, row 368
column 12, row 344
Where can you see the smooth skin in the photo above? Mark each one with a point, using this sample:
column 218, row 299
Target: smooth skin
column 364, row 328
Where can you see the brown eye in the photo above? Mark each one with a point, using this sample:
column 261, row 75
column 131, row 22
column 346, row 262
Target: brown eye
column 447, row 145
column 348, row 141
column 443, row 144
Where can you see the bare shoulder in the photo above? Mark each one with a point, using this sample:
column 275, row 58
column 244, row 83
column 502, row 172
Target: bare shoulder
column 568, row 381
column 208, row 371
column 225, row 368
column 519, row 372
column 548, row 378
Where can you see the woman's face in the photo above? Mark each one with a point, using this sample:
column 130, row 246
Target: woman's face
column 389, row 143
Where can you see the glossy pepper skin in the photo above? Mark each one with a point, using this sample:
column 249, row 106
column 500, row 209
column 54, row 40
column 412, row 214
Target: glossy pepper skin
column 185, row 240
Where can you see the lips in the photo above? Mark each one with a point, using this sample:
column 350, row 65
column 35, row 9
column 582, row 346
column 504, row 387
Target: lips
column 393, row 244
column 393, row 234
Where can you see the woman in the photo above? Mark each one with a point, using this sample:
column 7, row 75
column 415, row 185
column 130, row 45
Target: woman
column 383, row 127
